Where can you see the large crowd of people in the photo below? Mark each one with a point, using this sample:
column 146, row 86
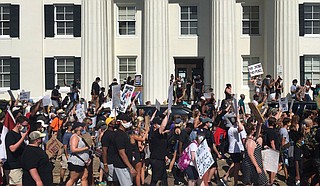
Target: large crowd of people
column 140, row 142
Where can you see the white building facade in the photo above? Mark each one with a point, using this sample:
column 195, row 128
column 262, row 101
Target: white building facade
column 44, row 42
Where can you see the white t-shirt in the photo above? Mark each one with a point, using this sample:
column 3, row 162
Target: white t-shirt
column 192, row 148
column 293, row 88
column 255, row 102
column 235, row 141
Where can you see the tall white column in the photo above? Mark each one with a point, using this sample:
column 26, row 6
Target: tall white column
column 286, row 41
column 223, row 51
column 156, row 55
column 97, row 44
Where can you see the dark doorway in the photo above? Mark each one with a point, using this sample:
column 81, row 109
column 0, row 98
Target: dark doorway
column 188, row 68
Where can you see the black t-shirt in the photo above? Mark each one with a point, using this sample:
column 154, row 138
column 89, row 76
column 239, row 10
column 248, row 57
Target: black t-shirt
column 96, row 87
column 198, row 84
column 33, row 123
column 55, row 92
column 122, row 141
column 13, row 158
column 271, row 134
column 298, row 156
column 158, row 144
column 184, row 138
column 35, row 157
column 108, row 141
column 209, row 137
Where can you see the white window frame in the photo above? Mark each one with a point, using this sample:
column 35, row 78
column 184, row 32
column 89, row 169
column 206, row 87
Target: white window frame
column 126, row 72
column 2, row 74
column 65, row 72
column 126, row 20
column 311, row 20
column 245, row 72
column 250, row 20
column 56, row 21
column 2, row 20
column 313, row 69
column 189, row 20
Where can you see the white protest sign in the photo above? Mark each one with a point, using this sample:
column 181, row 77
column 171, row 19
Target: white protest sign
column 24, row 96
column 80, row 114
column 115, row 96
column 157, row 105
column 64, row 89
column 125, row 98
column 255, row 69
column 170, row 96
column 270, row 159
column 204, row 158
column 283, row 104
column 46, row 101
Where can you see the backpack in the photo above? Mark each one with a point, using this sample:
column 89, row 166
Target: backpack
column 184, row 159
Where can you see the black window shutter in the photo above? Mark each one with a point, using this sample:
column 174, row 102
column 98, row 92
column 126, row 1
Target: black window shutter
column 77, row 68
column 49, row 20
column 14, row 20
column 302, row 70
column 77, row 21
column 15, row 73
column 301, row 20
column 49, row 70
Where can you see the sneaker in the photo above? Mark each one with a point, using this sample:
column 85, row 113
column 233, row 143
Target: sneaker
column 224, row 182
column 178, row 183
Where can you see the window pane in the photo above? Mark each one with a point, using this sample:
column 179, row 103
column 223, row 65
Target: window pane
column 193, row 30
column 255, row 8
column 246, row 15
column 193, row 15
column 307, row 8
column 184, row 30
column 6, row 17
column 245, row 30
column 255, row 31
column 123, row 68
column 6, row 69
column 60, row 69
column 308, row 31
column 69, row 16
column 184, row 16
column 246, row 24
column 307, row 23
column 194, row 24
column 60, row 17
column 246, row 9
column 316, row 31
column 184, row 9
column 184, row 24
column 70, row 69
column 131, row 68
column 7, row 84
column 308, row 15
column 255, row 15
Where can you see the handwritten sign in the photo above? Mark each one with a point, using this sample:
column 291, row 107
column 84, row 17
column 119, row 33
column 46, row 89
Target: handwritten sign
column 256, row 113
column 46, row 100
column 255, row 69
column 283, row 104
column 24, row 96
column 270, row 159
column 115, row 96
column 53, row 147
column 125, row 98
column 80, row 114
column 138, row 80
column 204, row 158
column 157, row 105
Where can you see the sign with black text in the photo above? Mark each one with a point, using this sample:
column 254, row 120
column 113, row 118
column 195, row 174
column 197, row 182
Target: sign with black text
column 255, row 69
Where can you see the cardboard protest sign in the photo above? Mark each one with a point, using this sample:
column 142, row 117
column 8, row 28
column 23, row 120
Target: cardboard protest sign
column 255, row 69
column 138, row 80
column 116, row 96
column 125, row 98
column 270, row 159
column 283, row 104
column 53, row 147
column 46, row 101
column 204, row 158
column 88, row 139
column 256, row 113
column 170, row 96
column 80, row 114
column 24, row 96
column 157, row 105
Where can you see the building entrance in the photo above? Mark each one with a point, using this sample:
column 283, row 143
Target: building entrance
column 188, row 68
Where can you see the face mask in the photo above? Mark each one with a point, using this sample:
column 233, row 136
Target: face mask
column 82, row 131
column 302, row 142
column 200, row 138
column 127, row 125
column 23, row 129
column 210, row 125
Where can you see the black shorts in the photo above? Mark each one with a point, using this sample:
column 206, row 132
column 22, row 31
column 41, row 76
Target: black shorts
column 236, row 157
column 192, row 173
column 75, row 168
column 215, row 164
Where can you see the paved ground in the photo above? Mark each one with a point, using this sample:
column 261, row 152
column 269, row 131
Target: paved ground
column 223, row 167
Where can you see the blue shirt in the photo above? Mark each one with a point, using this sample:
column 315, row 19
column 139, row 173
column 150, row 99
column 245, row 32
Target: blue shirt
column 66, row 140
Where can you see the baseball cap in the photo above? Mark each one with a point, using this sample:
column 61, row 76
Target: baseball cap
column 77, row 124
column 36, row 135
column 124, row 117
column 108, row 120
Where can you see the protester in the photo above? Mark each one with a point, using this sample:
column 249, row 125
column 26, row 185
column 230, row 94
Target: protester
column 37, row 169
column 79, row 157
column 15, row 146
column 95, row 90
column 66, row 151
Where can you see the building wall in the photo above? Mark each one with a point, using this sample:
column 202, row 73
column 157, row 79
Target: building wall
column 32, row 46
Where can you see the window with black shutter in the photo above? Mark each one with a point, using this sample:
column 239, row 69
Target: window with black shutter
column 77, row 21
column 49, row 70
column 14, row 20
column 15, row 73
column 49, row 20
